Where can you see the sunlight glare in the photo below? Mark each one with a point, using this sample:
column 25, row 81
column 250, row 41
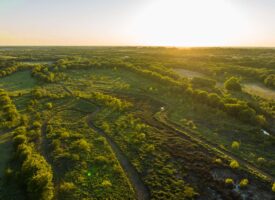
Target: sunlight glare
column 190, row 23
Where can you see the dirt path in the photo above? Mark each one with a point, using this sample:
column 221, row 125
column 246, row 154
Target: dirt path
column 163, row 122
column 184, row 133
column 140, row 188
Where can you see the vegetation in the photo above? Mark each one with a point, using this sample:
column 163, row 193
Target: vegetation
column 244, row 183
column 233, row 83
column 229, row 181
column 122, row 123
column 234, row 164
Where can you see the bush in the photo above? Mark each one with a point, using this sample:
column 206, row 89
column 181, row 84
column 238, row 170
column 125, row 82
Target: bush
column 81, row 145
column 49, row 105
column 66, row 189
column 189, row 192
column 214, row 100
column 203, row 82
column 36, row 124
column 19, row 139
column 270, row 80
column 233, row 83
column 149, row 148
column 261, row 120
column 244, row 183
column 235, row 145
column 106, row 183
column 101, row 160
column 261, row 160
column 234, row 164
column 37, row 175
column 218, row 161
column 229, row 181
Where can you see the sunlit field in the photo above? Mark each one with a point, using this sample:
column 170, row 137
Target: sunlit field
column 137, row 123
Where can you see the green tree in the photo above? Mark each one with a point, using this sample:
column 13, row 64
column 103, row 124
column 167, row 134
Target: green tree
column 229, row 181
column 234, row 164
column 244, row 183
column 235, row 145
column 233, row 83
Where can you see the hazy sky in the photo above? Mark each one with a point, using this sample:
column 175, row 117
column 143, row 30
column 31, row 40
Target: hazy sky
column 138, row 22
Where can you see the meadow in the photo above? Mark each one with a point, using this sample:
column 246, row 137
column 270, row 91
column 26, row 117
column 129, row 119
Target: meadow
column 137, row 123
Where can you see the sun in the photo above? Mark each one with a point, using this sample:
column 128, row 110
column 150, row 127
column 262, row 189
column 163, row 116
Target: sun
column 189, row 23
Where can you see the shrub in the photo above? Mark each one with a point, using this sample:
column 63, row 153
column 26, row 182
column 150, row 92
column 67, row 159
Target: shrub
column 229, row 181
column 49, row 105
column 34, row 134
column 37, row 175
column 261, row 160
column 106, row 183
column 214, row 100
column 101, row 140
column 233, row 83
column 203, row 82
column 270, row 80
column 234, row 164
column 36, row 124
column 218, row 161
column 235, row 145
column 8, row 173
column 150, row 148
column 189, row 192
column 81, row 145
column 244, row 183
column 261, row 120
column 66, row 189
column 24, row 120
column 101, row 160
column 19, row 139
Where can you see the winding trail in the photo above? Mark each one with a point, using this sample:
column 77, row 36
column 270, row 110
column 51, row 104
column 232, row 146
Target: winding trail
column 161, row 121
column 141, row 190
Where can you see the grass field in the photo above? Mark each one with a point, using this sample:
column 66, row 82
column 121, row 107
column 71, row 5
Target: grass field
column 102, row 126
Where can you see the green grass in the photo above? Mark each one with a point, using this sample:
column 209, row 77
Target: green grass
column 5, row 151
column 167, row 162
column 18, row 82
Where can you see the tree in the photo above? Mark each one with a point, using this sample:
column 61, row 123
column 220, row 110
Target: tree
column 19, row 139
column 189, row 192
column 106, row 183
column 81, row 145
column 203, row 82
column 233, row 84
column 66, row 190
column 49, row 105
column 37, row 175
column 270, row 80
column 234, row 164
column 214, row 99
column 244, row 183
column 235, row 145
column 229, row 181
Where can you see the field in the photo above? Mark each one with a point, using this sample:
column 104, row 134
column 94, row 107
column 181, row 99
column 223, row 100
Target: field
column 137, row 123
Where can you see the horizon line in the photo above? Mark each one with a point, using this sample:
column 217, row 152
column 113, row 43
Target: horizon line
column 153, row 46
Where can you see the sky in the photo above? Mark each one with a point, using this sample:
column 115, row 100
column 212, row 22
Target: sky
column 138, row 22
